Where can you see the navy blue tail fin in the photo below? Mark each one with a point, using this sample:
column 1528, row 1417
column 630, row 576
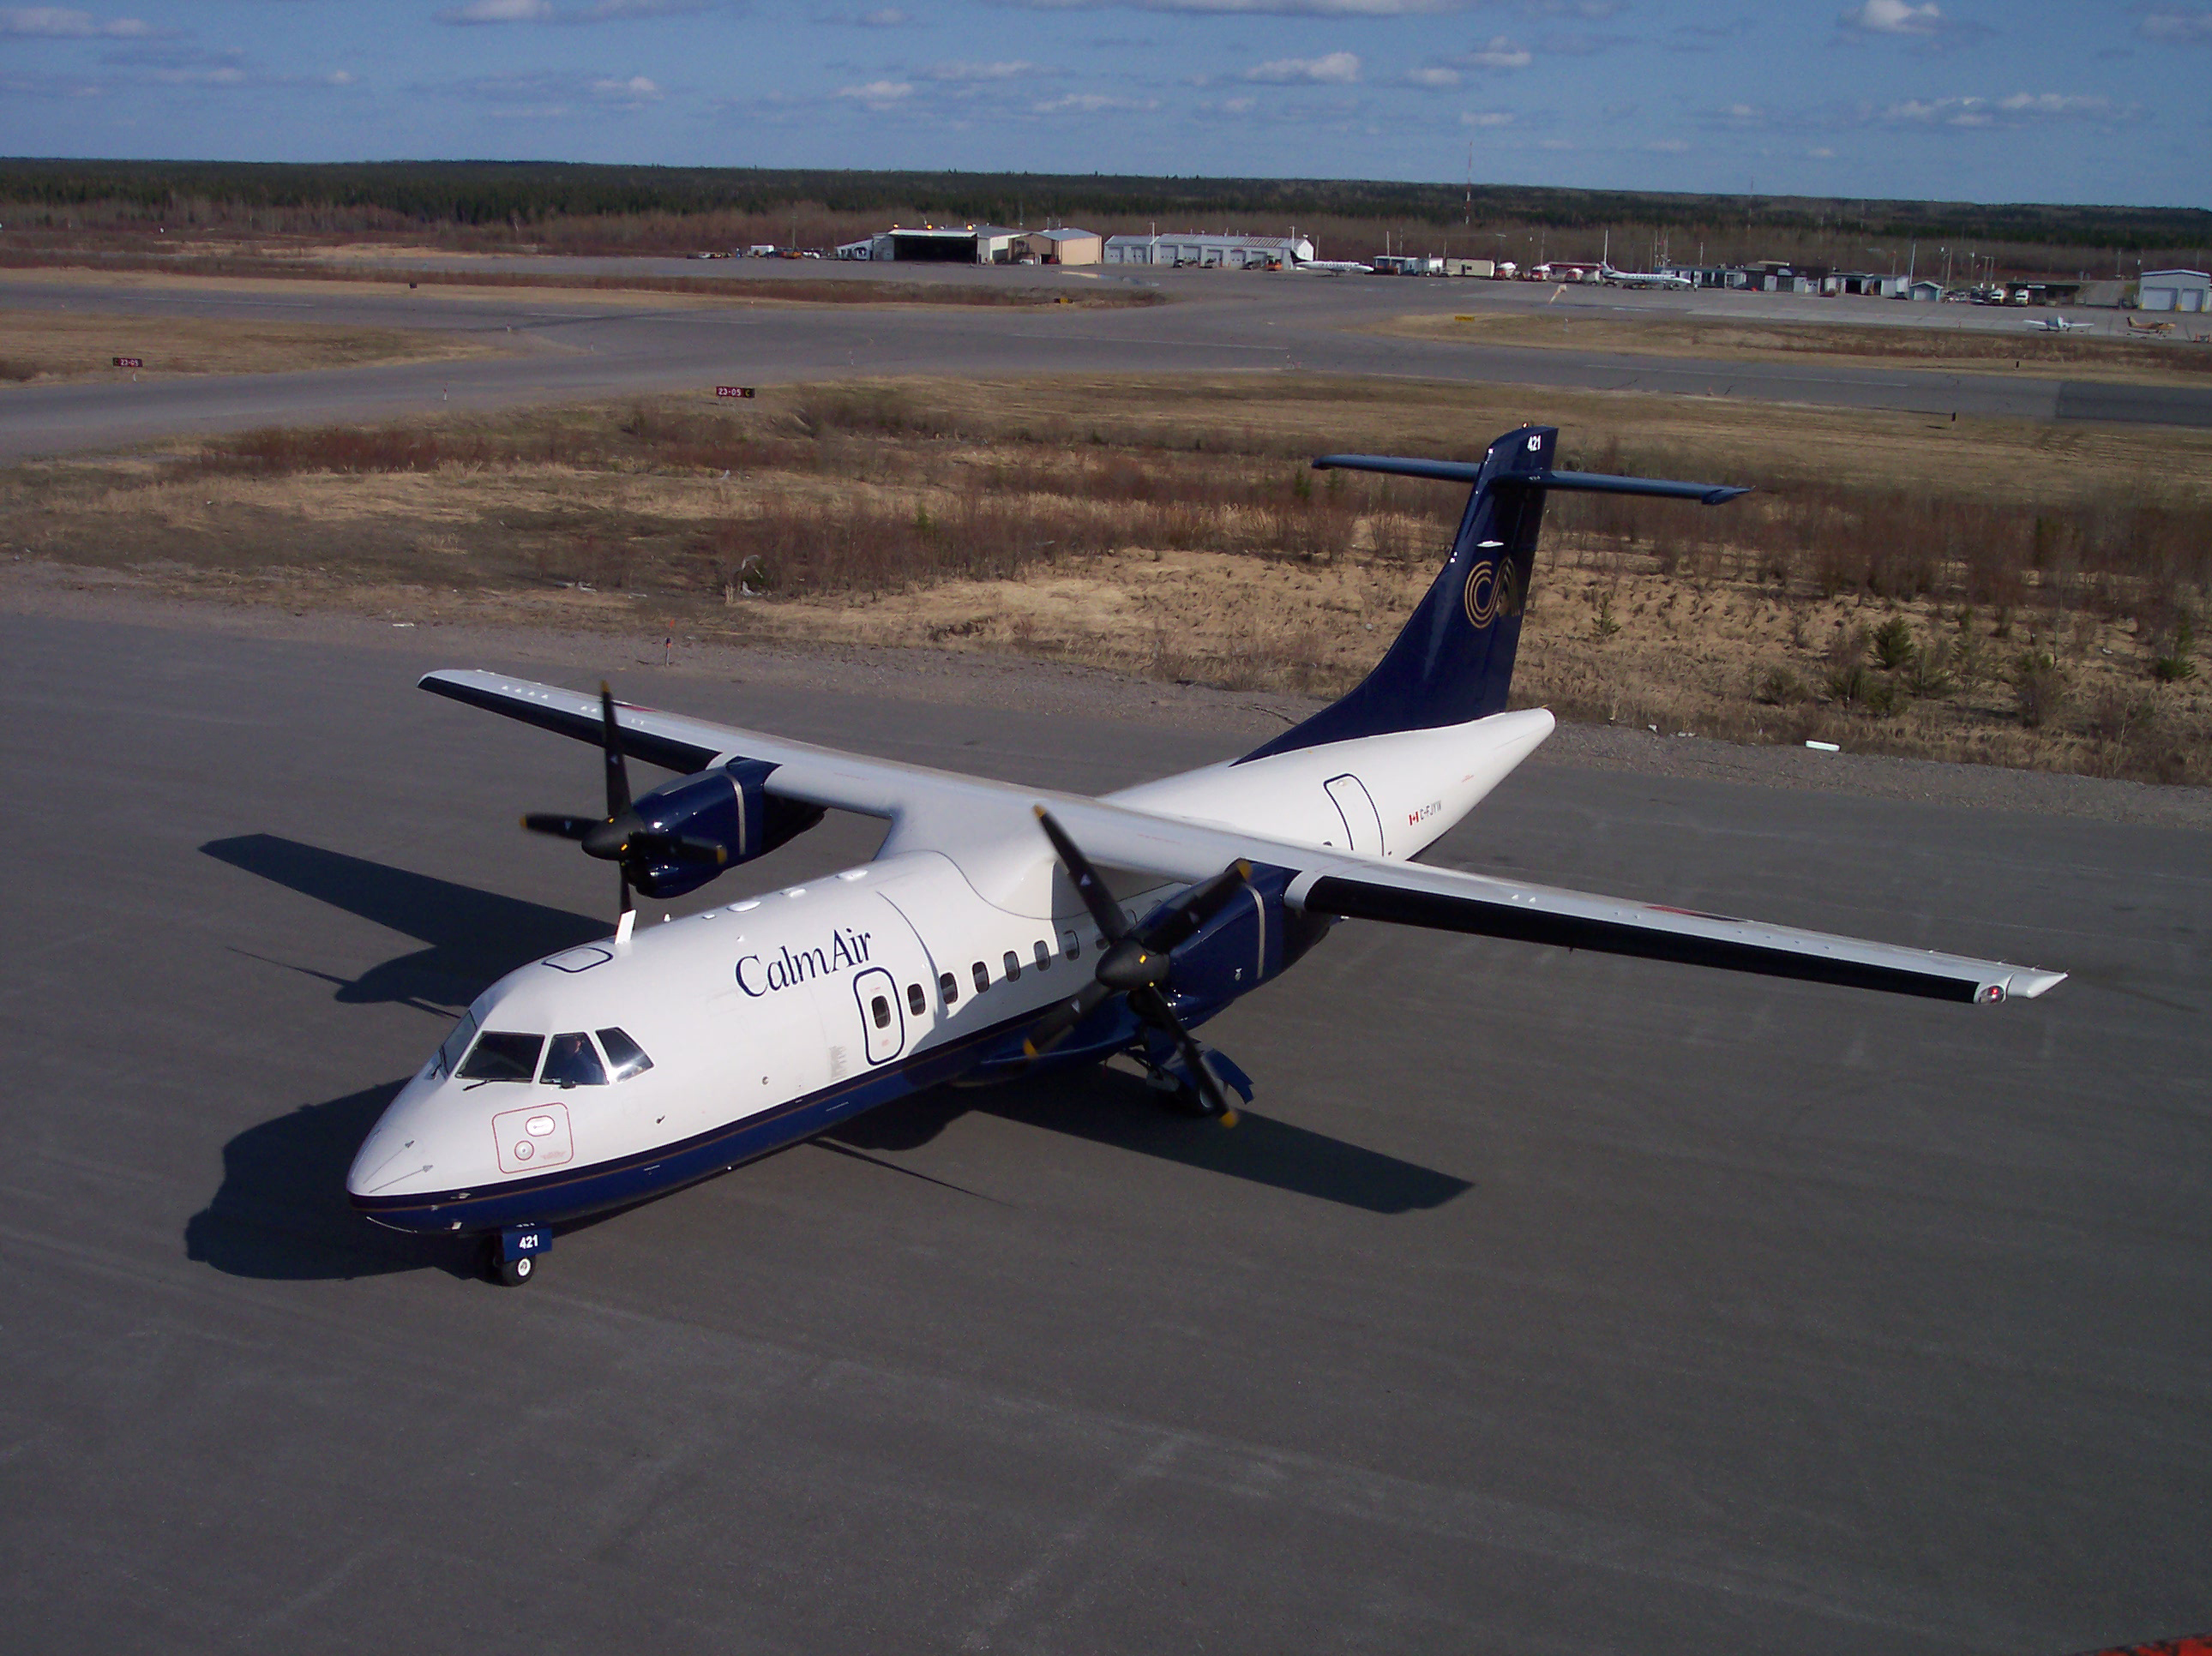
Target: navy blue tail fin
column 1454, row 661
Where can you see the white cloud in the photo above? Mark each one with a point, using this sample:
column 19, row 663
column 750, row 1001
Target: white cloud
column 1500, row 52
column 2019, row 109
column 1667, row 146
column 1264, row 7
column 1332, row 68
column 1437, row 80
column 500, row 11
column 1006, row 71
column 1486, row 118
column 1894, row 17
column 55, row 23
column 1089, row 103
column 2180, row 27
column 544, row 11
column 634, row 92
column 339, row 77
column 879, row 94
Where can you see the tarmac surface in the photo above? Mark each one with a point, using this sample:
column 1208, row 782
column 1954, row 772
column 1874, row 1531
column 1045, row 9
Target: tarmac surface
column 574, row 344
column 1544, row 1302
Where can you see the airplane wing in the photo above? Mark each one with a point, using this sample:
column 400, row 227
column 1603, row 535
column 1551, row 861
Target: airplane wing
column 943, row 810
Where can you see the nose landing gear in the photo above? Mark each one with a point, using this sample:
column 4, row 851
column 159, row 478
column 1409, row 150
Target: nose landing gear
column 511, row 1255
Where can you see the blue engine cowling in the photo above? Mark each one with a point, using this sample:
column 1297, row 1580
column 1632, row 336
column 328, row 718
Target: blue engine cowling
column 1250, row 941
column 730, row 806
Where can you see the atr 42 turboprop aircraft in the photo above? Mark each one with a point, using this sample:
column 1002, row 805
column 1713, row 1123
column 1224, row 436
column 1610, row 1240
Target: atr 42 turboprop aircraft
column 1004, row 931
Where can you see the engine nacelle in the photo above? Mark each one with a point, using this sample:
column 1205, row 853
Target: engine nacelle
column 1249, row 941
column 732, row 807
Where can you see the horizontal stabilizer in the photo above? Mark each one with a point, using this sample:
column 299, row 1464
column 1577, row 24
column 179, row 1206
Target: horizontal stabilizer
column 1470, row 473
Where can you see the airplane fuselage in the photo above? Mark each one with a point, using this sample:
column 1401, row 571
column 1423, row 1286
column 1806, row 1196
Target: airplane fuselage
column 768, row 1020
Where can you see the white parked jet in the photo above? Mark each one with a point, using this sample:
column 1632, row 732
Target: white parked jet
column 1642, row 278
column 1000, row 930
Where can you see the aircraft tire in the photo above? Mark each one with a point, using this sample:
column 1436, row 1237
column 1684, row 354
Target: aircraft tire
column 511, row 1273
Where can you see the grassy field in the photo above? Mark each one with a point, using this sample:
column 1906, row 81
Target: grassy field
column 2181, row 361
column 46, row 345
column 2011, row 593
column 249, row 263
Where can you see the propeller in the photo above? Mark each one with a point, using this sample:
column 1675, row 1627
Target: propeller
column 621, row 836
column 1137, row 962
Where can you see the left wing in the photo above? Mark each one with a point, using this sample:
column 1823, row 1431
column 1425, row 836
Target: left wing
column 943, row 810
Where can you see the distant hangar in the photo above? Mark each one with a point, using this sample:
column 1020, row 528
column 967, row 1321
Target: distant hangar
column 1208, row 250
column 976, row 244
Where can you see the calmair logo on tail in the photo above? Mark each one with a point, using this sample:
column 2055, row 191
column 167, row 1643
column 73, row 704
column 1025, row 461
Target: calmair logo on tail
column 1492, row 589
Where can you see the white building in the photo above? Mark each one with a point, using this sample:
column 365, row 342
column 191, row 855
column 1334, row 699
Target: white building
column 1209, row 251
column 938, row 243
column 2175, row 290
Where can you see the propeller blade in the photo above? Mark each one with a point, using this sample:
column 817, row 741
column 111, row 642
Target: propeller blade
column 1151, row 1006
column 1105, row 914
column 618, row 772
column 563, row 828
column 1053, row 1027
column 1174, row 927
column 621, row 873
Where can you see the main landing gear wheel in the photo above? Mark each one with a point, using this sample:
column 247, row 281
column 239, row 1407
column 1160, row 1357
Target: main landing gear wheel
column 513, row 1273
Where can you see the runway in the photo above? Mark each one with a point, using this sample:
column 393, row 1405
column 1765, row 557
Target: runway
column 574, row 345
column 1544, row 1302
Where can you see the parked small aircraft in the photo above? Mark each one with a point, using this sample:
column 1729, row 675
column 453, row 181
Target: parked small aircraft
column 1004, row 931
column 1642, row 279
column 1333, row 267
column 2136, row 325
column 2060, row 325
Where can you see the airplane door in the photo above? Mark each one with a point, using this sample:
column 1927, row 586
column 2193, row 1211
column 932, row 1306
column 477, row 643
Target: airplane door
column 883, row 1021
column 1363, row 823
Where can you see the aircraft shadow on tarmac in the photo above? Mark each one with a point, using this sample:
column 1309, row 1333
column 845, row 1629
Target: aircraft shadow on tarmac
column 281, row 1212
column 1108, row 1107
column 475, row 938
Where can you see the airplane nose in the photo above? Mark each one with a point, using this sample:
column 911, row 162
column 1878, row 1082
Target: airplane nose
column 394, row 1151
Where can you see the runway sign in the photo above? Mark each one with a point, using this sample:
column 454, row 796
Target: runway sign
column 129, row 362
column 733, row 391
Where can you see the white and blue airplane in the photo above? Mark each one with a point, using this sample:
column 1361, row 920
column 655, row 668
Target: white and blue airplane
column 1004, row 931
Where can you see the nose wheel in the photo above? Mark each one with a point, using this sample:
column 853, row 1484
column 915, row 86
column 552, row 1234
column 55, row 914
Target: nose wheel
column 511, row 1255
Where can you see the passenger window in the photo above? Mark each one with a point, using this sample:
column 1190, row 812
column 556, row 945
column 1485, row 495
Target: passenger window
column 880, row 1009
column 1013, row 966
column 570, row 1062
column 948, row 988
column 627, row 1058
column 917, row 1001
column 498, row 1056
column 1043, row 955
column 983, row 974
column 1071, row 945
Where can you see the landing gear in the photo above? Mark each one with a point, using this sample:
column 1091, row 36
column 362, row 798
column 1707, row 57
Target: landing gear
column 511, row 1255
column 1177, row 1089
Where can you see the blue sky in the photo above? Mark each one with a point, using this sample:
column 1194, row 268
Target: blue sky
column 1955, row 99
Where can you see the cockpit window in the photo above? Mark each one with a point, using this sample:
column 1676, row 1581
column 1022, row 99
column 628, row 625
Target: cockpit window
column 627, row 1058
column 456, row 1044
column 570, row 1061
column 499, row 1056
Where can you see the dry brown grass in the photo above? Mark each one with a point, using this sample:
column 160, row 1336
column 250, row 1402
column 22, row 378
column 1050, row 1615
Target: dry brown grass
column 780, row 290
column 43, row 344
column 1927, row 345
column 2031, row 577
